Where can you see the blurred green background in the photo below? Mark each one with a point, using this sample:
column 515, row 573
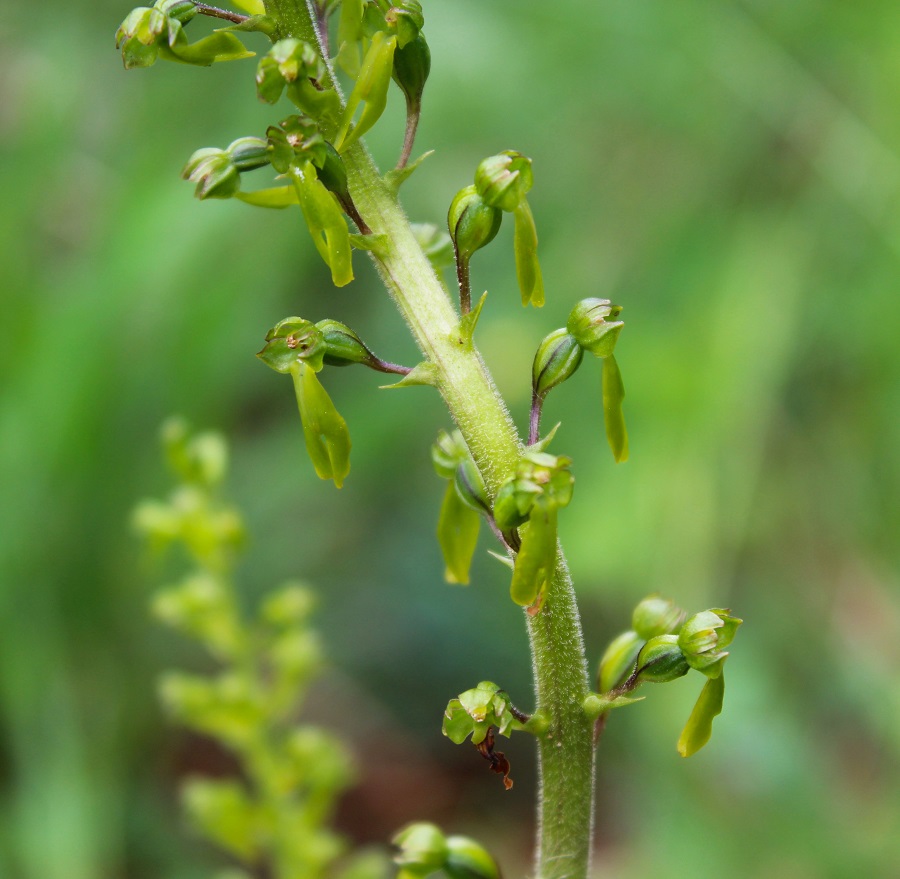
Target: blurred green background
column 729, row 172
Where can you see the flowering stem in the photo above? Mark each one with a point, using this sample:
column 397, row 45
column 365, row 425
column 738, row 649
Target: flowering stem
column 566, row 753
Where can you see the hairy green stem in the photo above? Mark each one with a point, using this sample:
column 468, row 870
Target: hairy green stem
column 566, row 753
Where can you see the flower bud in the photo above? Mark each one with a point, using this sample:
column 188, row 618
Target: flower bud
column 656, row 616
column 421, row 848
column 537, row 474
column 295, row 141
column 406, row 19
column 504, row 180
column 287, row 61
column 293, row 340
column 589, row 322
column 148, row 34
column 342, row 346
column 214, row 173
column 661, row 660
column 473, row 223
column 466, row 859
column 296, row 66
column 137, row 37
column 412, row 64
column 703, row 637
column 618, row 661
column 557, row 358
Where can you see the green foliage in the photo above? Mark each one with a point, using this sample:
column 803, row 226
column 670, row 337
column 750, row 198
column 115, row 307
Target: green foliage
column 277, row 815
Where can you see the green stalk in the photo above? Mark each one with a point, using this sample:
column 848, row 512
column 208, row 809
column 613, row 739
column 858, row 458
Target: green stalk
column 566, row 754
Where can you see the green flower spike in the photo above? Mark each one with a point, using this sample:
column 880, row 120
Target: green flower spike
column 370, row 90
column 295, row 67
column 503, row 181
column 464, row 498
column 541, row 485
column 298, row 347
column 149, row 33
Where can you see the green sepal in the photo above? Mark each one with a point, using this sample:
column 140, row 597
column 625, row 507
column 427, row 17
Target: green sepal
column 528, row 269
column 703, row 638
column 457, row 533
column 395, row 178
column 504, row 180
column 698, row 729
column 589, row 322
column 326, row 223
column 277, row 197
column 536, row 559
column 469, row 321
column 294, row 65
column 295, row 141
column 291, row 341
column 406, row 20
column 325, row 432
column 435, row 242
column 214, row 173
column 596, row 704
column 424, row 373
column 474, row 711
column 538, row 475
column 618, row 660
column 370, row 90
column 613, row 417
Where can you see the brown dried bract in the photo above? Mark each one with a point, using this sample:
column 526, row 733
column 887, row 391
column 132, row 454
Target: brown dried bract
column 497, row 759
